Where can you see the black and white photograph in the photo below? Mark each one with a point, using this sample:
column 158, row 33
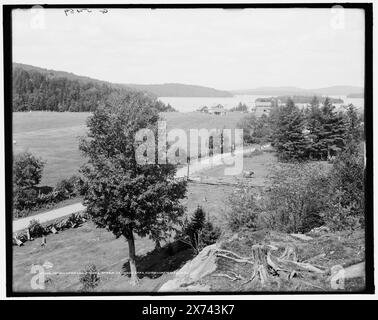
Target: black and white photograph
column 188, row 149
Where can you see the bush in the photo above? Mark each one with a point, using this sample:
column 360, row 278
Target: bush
column 298, row 196
column 347, row 201
column 27, row 173
column 305, row 196
column 341, row 217
column 46, row 198
column 67, row 188
column 244, row 208
column 89, row 277
column 27, row 170
column 36, row 229
column 24, row 199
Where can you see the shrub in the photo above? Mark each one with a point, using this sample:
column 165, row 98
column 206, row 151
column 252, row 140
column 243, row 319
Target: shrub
column 74, row 219
column 24, row 198
column 305, row 196
column 27, row 173
column 67, row 188
column 298, row 196
column 341, row 217
column 27, row 170
column 46, row 198
column 347, row 201
column 89, row 277
column 36, row 229
column 244, row 208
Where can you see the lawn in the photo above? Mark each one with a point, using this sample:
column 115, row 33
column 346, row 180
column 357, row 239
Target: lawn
column 53, row 136
column 68, row 252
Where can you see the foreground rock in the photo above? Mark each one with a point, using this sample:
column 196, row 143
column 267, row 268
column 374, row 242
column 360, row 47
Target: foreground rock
column 203, row 264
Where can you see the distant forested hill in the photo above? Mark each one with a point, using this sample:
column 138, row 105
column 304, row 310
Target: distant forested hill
column 290, row 91
column 308, row 99
column 48, row 90
column 356, row 95
column 180, row 90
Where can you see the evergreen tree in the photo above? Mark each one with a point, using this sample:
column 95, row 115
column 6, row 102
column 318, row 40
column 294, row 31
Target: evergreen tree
column 314, row 122
column 354, row 126
column 289, row 138
column 200, row 232
column 332, row 134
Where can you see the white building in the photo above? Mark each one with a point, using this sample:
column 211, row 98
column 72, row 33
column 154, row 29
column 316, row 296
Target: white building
column 218, row 110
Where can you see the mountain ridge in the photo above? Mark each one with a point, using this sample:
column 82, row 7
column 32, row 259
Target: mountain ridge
column 160, row 90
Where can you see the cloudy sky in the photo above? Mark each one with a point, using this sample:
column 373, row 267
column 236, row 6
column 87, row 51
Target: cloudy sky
column 224, row 49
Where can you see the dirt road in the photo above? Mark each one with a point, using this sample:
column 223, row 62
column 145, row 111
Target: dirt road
column 21, row 224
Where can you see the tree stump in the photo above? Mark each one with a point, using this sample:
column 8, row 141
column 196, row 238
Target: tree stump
column 266, row 267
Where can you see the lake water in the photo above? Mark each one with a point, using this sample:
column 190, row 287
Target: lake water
column 189, row 104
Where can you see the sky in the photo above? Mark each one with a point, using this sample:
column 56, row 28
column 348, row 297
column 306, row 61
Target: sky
column 223, row 49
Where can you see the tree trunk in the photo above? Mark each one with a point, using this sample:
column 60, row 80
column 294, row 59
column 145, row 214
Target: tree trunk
column 133, row 270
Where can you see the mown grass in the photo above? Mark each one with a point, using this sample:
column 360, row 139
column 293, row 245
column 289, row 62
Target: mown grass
column 69, row 251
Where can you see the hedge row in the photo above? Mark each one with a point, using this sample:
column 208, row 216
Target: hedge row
column 36, row 229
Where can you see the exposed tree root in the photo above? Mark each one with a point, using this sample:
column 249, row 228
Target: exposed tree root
column 234, row 278
column 266, row 267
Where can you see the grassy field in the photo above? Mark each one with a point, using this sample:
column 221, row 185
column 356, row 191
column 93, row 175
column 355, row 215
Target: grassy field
column 53, row 136
column 71, row 250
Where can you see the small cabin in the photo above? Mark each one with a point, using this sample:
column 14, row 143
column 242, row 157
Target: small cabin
column 204, row 109
column 218, row 110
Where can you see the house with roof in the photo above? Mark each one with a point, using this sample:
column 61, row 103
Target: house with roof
column 218, row 110
column 264, row 105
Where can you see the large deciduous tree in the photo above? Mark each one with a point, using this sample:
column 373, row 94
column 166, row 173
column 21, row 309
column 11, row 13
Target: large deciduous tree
column 121, row 194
